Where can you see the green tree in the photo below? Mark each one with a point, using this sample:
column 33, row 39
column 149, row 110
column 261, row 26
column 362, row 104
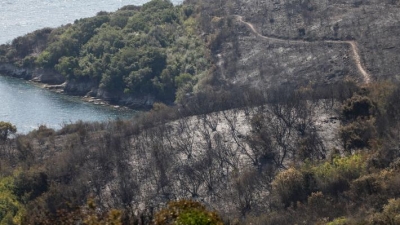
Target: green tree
column 66, row 65
column 11, row 210
column 6, row 129
column 389, row 215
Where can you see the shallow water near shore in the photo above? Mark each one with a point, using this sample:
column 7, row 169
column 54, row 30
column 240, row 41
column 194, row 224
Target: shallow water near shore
column 28, row 106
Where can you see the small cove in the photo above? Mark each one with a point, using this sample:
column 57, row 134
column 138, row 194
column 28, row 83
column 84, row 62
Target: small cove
column 28, row 106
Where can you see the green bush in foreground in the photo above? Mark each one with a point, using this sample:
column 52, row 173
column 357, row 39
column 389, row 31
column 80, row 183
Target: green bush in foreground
column 390, row 214
column 11, row 210
column 186, row 212
column 334, row 177
column 330, row 178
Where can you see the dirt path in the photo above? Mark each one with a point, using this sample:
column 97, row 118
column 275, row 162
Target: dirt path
column 352, row 44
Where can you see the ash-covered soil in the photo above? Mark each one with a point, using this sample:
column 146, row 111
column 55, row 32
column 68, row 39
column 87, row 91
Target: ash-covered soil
column 308, row 42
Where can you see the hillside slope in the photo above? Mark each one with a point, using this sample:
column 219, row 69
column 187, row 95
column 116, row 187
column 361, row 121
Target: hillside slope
column 300, row 43
column 294, row 119
column 279, row 159
column 161, row 52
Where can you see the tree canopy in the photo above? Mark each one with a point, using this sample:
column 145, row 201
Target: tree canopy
column 6, row 129
column 134, row 51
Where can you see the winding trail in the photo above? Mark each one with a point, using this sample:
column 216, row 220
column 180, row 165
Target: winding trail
column 352, row 44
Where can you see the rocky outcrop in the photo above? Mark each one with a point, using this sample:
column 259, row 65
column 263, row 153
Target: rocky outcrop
column 90, row 89
column 135, row 102
column 81, row 88
column 13, row 71
column 46, row 76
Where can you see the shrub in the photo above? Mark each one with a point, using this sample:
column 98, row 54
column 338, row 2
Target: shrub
column 390, row 214
column 11, row 210
column 289, row 186
column 339, row 221
column 42, row 133
column 371, row 183
column 334, row 177
column 186, row 212
column 358, row 106
column 358, row 134
column 24, row 148
column 6, row 129
column 319, row 204
column 374, row 189
column 87, row 215
column 29, row 185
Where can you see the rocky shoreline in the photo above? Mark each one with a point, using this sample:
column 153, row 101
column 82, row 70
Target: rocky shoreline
column 88, row 91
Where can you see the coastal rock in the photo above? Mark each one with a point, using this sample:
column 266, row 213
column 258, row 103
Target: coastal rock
column 136, row 102
column 81, row 88
column 46, row 76
column 106, row 95
column 13, row 71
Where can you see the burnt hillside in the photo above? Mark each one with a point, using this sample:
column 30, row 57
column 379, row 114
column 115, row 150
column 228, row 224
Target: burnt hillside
column 269, row 43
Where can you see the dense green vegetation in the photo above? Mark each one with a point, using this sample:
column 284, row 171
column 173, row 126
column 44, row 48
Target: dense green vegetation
column 153, row 50
column 11, row 207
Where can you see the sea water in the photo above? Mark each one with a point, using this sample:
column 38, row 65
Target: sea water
column 28, row 106
column 19, row 17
